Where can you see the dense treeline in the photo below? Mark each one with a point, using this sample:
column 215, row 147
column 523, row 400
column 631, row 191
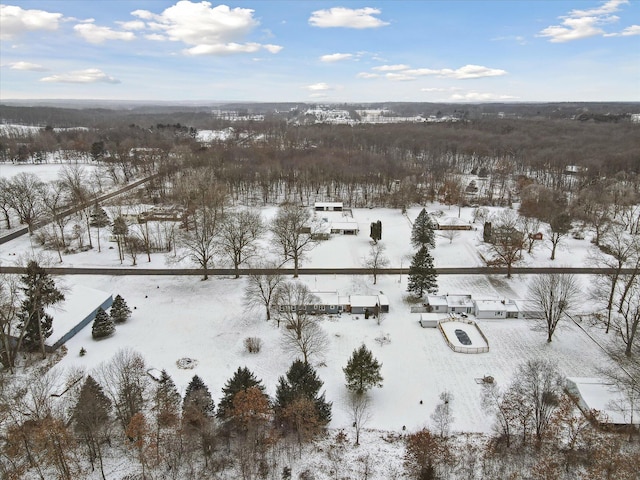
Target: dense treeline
column 392, row 164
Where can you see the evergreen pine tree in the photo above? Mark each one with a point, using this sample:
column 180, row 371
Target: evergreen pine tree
column 362, row 371
column 423, row 231
column 90, row 417
column 198, row 403
column 92, row 408
column 99, row 217
column 103, row 326
column 422, row 274
column 242, row 379
column 120, row 312
column 302, row 381
column 40, row 292
column 166, row 401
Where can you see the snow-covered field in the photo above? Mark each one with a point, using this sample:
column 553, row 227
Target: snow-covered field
column 175, row 317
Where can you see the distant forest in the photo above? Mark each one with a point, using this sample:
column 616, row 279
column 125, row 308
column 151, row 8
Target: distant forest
column 288, row 156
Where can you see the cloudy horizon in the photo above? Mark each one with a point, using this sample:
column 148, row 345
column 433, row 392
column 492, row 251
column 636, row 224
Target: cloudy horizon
column 316, row 51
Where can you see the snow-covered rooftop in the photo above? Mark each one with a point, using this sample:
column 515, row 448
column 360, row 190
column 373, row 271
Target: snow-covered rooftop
column 603, row 396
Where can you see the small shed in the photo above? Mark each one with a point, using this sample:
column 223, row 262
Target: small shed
column 431, row 320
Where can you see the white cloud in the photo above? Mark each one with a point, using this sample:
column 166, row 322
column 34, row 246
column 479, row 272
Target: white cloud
column 402, row 77
column 473, row 71
column 231, row 48
column 336, row 57
column 390, row 68
column 16, row 21
column 579, row 24
column 347, row 18
column 272, row 48
column 627, row 32
column 606, row 8
column 133, row 25
column 156, row 37
column 368, row 75
column 208, row 30
column 33, row 67
column 318, row 87
column 96, row 34
column 91, row 75
column 480, row 97
column 402, row 72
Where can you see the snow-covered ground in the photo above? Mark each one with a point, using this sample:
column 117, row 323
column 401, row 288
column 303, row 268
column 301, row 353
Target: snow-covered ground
column 175, row 317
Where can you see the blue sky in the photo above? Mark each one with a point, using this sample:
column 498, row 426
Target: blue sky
column 321, row 51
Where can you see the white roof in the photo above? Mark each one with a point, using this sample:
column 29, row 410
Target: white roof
column 327, row 298
column 490, row 306
column 328, row 204
column 605, row 397
column 383, row 299
column 364, row 300
column 439, row 300
column 459, row 300
column 345, row 225
column 78, row 303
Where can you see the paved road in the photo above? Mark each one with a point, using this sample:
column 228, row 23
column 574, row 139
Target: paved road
column 311, row 271
column 71, row 210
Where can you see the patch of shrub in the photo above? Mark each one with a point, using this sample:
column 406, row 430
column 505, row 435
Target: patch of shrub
column 253, row 344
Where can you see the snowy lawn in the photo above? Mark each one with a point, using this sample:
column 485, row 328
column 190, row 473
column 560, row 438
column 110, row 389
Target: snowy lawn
column 176, row 317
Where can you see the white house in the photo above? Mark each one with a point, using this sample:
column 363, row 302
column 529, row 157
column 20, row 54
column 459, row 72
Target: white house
column 450, row 303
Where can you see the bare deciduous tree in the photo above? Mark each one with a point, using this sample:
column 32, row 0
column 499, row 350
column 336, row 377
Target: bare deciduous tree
column 200, row 241
column 126, row 383
column 26, row 194
column 262, row 285
column 376, row 260
column 506, row 240
column 292, row 228
column 442, row 416
column 302, row 334
column 238, row 233
column 555, row 294
column 538, row 385
column 360, row 411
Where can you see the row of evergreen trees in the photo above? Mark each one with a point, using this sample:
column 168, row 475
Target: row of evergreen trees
column 243, row 396
column 104, row 325
column 422, row 274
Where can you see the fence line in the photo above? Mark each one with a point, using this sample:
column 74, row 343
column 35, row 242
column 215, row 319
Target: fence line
column 457, row 348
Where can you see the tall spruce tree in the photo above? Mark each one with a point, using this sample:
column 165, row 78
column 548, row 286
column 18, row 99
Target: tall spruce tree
column 90, row 418
column 166, row 401
column 120, row 311
column 362, row 371
column 103, row 325
column 423, row 231
column 422, row 275
column 242, row 380
column 302, row 381
column 40, row 291
column 198, row 404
